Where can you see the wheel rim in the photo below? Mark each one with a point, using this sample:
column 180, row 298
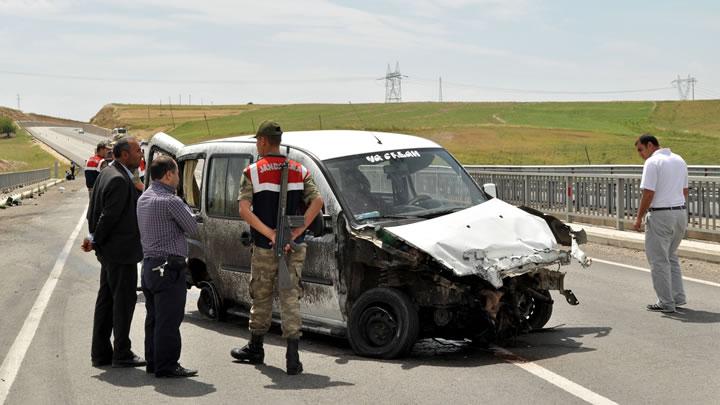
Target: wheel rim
column 379, row 326
column 526, row 305
column 207, row 302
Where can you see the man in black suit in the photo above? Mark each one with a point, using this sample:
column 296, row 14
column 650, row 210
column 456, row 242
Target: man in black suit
column 114, row 235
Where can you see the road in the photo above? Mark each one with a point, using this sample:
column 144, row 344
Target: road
column 606, row 349
column 68, row 142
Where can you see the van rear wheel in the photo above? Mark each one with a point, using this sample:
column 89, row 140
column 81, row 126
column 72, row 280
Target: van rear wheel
column 384, row 323
column 209, row 303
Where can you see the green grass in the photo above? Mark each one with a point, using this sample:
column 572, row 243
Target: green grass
column 20, row 153
column 476, row 133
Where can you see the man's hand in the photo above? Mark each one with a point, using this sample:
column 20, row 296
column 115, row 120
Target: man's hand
column 87, row 245
column 139, row 187
column 638, row 226
column 296, row 232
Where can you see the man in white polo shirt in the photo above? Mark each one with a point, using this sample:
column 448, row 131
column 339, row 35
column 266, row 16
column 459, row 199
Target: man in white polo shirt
column 664, row 188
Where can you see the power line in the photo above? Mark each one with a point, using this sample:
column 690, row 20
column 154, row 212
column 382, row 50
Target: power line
column 532, row 91
column 183, row 81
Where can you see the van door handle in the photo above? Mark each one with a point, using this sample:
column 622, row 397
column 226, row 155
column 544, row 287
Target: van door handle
column 245, row 238
column 199, row 219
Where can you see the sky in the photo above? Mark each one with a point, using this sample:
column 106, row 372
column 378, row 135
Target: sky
column 68, row 58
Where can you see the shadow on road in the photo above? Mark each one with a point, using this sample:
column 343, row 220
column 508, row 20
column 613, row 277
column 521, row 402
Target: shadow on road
column 173, row 387
column 542, row 344
column 694, row 316
column 304, row 381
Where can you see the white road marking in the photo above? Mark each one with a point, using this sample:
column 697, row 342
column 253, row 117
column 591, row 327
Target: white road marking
column 16, row 354
column 627, row 266
column 554, row 379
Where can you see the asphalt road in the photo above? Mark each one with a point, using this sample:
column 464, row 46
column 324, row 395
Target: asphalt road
column 68, row 142
column 606, row 349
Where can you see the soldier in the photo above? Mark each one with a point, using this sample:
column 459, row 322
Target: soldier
column 93, row 166
column 259, row 196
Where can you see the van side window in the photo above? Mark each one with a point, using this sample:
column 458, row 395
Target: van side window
column 192, row 171
column 224, row 184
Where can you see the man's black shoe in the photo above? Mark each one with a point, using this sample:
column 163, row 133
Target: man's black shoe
column 134, row 361
column 101, row 363
column 178, row 372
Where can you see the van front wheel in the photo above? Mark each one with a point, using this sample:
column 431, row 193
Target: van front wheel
column 209, row 302
column 384, row 323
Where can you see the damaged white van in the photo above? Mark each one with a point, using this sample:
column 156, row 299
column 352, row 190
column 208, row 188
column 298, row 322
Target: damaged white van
column 408, row 246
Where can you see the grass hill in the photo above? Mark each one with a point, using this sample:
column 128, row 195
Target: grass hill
column 21, row 152
column 476, row 133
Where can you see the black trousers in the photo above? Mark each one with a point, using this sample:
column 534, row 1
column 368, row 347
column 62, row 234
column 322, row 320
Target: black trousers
column 114, row 309
column 165, row 297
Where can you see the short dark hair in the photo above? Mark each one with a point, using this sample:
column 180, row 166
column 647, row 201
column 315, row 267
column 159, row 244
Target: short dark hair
column 645, row 139
column 122, row 144
column 161, row 165
column 272, row 140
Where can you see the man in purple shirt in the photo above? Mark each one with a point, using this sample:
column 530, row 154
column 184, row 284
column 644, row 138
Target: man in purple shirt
column 164, row 220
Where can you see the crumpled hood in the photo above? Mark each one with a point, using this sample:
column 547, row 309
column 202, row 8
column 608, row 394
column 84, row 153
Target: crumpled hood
column 488, row 239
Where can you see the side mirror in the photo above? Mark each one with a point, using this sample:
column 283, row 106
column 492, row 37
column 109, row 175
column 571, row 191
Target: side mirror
column 490, row 189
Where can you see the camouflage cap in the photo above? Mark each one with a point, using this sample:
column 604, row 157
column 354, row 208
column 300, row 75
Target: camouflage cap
column 269, row 129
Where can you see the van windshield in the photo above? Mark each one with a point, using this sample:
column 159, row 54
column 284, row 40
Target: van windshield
column 403, row 183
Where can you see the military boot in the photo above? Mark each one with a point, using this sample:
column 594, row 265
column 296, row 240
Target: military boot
column 292, row 357
column 252, row 352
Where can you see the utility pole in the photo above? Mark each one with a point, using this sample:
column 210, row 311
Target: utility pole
column 18, row 100
column 393, row 84
column 189, row 99
column 685, row 87
column 440, row 93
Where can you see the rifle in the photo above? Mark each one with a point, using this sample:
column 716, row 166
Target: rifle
column 283, row 230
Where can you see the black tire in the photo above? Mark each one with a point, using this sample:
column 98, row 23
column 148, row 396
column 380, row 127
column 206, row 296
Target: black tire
column 384, row 323
column 537, row 312
column 209, row 302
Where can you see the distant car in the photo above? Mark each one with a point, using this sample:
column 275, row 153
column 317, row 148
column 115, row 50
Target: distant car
column 408, row 245
column 81, row 131
column 117, row 133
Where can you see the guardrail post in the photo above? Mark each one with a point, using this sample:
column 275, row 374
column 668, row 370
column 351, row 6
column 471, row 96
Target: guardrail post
column 620, row 204
column 526, row 198
column 569, row 197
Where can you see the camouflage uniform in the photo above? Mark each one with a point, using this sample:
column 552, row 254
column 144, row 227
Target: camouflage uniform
column 264, row 272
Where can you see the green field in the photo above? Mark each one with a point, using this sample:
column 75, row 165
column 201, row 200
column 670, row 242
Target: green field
column 20, row 153
column 476, row 133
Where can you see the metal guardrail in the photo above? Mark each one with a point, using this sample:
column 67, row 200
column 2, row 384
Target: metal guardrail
column 606, row 199
column 13, row 180
column 589, row 169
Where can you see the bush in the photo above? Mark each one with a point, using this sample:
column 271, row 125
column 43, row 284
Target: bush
column 7, row 127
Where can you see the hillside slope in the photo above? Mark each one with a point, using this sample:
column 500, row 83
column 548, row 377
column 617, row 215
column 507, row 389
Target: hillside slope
column 476, row 133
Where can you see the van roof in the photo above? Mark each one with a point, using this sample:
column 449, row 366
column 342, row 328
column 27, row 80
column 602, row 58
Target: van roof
column 330, row 144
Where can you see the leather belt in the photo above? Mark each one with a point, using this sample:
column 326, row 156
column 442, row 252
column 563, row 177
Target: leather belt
column 679, row 207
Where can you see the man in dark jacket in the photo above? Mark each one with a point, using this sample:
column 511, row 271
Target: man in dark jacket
column 114, row 235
